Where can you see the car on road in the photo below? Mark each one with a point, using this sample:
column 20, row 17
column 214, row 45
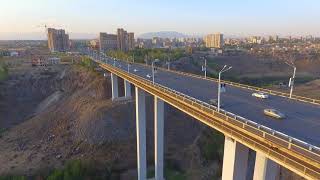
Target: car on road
column 274, row 113
column 261, row 95
column 148, row 76
column 135, row 70
column 214, row 102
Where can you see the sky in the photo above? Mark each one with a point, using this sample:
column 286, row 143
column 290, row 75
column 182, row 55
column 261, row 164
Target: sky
column 25, row 19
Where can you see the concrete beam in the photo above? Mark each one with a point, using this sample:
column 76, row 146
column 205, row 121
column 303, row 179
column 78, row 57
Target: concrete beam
column 264, row 168
column 235, row 160
column 141, row 133
column 158, row 137
column 127, row 89
column 114, row 86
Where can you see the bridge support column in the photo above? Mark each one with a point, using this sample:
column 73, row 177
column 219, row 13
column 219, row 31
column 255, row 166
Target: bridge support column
column 235, row 160
column 141, row 133
column 158, row 137
column 114, row 86
column 127, row 88
column 264, row 168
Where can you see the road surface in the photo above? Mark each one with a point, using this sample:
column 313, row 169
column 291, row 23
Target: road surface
column 302, row 119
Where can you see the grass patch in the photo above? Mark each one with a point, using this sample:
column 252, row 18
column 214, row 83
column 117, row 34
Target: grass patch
column 169, row 174
column 74, row 170
column 3, row 71
column 2, row 130
column 87, row 63
column 78, row 170
column 13, row 178
column 211, row 145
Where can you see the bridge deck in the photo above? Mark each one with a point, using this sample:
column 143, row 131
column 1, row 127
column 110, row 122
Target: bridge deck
column 302, row 121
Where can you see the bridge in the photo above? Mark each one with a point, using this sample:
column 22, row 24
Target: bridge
column 292, row 142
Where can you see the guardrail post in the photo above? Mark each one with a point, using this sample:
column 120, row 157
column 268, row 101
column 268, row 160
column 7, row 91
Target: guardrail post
column 127, row 88
column 235, row 160
column 265, row 168
column 158, row 137
column 141, row 133
column 114, row 86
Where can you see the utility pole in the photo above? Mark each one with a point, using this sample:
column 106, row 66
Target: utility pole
column 224, row 69
column 152, row 66
column 204, row 68
column 291, row 81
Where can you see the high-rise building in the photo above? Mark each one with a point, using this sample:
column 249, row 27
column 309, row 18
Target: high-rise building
column 214, row 40
column 58, row 40
column 108, row 42
column 125, row 40
column 131, row 41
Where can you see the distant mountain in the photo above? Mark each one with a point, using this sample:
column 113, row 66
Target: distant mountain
column 162, row 34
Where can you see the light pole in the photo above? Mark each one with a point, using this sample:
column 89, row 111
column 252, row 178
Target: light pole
column 224, row 69
column 205, row 67
column 168, row 63
column 291, row 81
column 152, row 66
column 128, row 67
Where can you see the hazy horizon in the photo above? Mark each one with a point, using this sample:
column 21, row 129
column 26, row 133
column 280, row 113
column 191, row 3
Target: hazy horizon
column 23, row 20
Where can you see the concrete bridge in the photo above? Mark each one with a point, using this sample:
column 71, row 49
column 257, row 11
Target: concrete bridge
column 292, row 143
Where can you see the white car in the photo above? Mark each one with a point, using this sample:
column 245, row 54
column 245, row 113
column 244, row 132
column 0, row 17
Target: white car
column 261, row 95
column 135, row 70
column 274, row 113
column 148, row 76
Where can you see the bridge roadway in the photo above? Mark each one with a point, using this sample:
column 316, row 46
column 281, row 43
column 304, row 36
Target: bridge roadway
column 302, row 121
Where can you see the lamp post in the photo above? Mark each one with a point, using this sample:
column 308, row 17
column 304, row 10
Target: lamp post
column 168, row 63
column 224, row 69
column 291, row 81
column 152, row 66
column 204, row 68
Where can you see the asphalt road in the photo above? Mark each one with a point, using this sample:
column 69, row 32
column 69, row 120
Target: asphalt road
column 302, row 119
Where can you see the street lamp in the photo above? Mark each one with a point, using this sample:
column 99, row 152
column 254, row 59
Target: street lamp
column 152, row 65
column 291, row 80
column 204, row 68
column 128, row 67
column 168, row 62
column 224, row 69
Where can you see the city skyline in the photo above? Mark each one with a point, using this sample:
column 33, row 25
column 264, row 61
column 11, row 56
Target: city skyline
column 26, row 20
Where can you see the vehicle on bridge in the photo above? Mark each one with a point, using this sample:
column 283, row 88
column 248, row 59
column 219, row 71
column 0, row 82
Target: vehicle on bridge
column 274, row 113
column 148, row 76
column 261, row 95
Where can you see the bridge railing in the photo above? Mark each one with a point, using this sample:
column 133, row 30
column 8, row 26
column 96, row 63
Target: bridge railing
column 244, row 86
column 262, row 131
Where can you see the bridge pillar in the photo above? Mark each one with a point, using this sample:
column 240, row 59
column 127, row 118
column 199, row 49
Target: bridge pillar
column 158, row 137
column 141, row 133
column 127, row 88
column 114, row 86
column 235, row 160
column 264, row 168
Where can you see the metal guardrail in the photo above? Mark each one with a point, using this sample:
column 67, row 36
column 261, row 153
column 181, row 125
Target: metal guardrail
column 264, row 132
column 272, row 92
column 244, row 86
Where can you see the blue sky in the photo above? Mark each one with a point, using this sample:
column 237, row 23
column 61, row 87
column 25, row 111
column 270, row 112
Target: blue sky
column 20, row 18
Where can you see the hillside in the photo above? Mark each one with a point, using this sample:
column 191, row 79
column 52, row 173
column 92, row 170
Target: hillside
column 162, row 34
column 67, row 114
